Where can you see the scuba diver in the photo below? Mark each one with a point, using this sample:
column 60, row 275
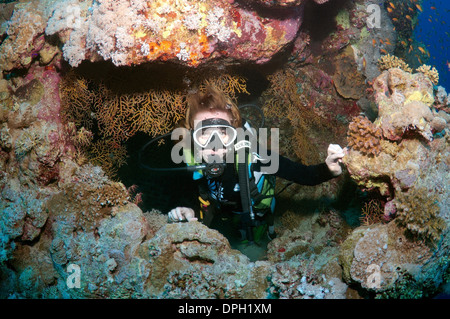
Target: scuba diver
column 242, row 186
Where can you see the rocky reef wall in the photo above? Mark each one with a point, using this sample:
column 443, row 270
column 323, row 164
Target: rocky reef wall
column 403, row 156
column 63, row 214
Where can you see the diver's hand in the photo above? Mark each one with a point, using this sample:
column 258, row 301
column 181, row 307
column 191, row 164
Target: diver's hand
column 180, row 214
column 335, row 155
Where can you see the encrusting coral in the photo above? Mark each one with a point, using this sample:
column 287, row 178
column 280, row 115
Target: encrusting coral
column 108, row 154
column 388, row 61
column 364, row 136
column 418, row 211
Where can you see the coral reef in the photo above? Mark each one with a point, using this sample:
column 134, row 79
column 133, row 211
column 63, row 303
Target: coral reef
column 66, row 114
column 187, row 33
column 25, row 36
column 430, row 72
column 291, row 280
column 406, row 107
column 418, row 212
column 411, row 174
column 388, row 61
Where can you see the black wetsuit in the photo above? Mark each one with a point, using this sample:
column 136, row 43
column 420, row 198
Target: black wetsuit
column 224, row 191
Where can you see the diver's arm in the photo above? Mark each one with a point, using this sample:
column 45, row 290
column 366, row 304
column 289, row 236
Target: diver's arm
column 309, row 175
column 296, row 172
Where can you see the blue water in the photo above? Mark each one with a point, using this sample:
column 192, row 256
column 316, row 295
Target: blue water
column 433, row 30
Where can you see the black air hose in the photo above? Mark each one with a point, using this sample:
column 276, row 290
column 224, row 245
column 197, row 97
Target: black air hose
column 247, row 210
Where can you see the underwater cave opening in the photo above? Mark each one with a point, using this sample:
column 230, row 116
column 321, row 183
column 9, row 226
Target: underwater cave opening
column 163, row 191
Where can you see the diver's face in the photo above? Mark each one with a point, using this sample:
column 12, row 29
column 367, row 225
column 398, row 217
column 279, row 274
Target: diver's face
column 205, row 115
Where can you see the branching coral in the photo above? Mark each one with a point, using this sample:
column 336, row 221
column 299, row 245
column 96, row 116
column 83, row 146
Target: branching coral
column 364, row 136
column 158, row 112
column 5, row 137
column 372, row 213
column 108, row 154
column 418, row 211
column 228, row 84
column 115, row 113
column 283, row 101
column 76, row 100
column 431, row 73
column 388, row 61
column 121, row 115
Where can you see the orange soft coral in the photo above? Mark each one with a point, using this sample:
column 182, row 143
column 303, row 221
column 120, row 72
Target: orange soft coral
column 364, row 136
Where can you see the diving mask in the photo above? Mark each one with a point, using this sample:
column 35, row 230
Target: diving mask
column 214, row 132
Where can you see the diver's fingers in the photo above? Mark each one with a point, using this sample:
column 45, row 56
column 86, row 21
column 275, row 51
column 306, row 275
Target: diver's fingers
column 175, row 215
column 336, row 157
column 180, row 214
column 189, row 214
column 171, row 216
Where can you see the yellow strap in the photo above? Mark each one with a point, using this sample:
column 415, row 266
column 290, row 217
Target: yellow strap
column 206, row 203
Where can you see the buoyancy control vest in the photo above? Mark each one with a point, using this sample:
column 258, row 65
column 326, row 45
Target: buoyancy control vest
column 257, row 189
